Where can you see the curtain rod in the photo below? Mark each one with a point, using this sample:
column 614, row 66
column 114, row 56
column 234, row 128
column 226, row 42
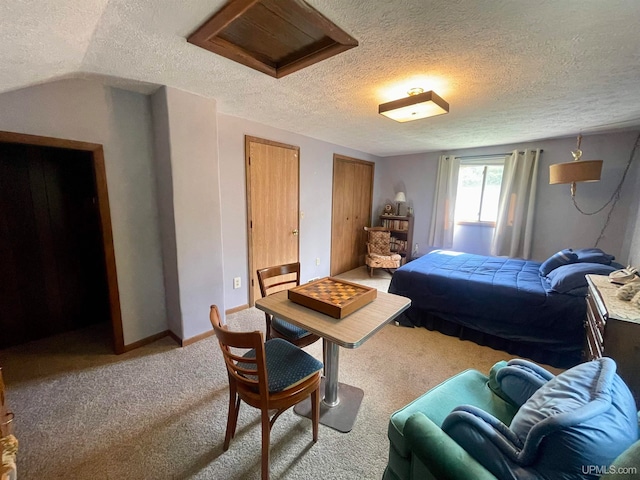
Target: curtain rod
column 490, row 155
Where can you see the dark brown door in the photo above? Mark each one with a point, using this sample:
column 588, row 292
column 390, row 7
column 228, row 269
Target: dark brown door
column 52, row 266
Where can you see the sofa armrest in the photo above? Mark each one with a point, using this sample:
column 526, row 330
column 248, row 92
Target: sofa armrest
column 440, row 454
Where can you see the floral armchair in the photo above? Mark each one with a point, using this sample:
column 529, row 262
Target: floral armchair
column 379, row 253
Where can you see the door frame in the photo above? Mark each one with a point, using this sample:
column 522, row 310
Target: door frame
column 248, row 139
column 100, row 178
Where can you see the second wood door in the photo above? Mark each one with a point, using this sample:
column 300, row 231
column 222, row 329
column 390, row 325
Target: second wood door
column 351, row 212
column 273, row 206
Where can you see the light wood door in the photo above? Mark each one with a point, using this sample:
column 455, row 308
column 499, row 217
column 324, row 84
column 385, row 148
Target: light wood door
column 351, row 212
column 273, row 206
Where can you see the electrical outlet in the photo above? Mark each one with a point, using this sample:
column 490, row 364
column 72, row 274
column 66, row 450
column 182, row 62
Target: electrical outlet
column 236, row 282
column 318, row 261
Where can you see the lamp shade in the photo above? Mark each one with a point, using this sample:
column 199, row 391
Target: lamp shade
column 576, row 171
column 414, row 107
column 400, row 198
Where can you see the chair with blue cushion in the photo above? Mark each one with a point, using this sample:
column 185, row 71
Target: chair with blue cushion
column 271, row 375
column 520, row 422
column 275, row 279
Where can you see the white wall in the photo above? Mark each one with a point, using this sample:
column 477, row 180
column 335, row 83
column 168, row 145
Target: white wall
column 316, row 182
column 121, row 122
column 557, row 224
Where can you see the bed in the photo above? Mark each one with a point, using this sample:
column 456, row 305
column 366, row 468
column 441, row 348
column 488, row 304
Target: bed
column 505, row 303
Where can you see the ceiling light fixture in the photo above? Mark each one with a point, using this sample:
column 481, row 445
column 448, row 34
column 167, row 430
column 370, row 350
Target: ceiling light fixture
column 419, row 104
column 576, row 171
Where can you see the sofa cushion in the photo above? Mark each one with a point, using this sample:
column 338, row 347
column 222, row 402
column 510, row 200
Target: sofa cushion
column 587, row 410
column 520, row 379
column 379, row 242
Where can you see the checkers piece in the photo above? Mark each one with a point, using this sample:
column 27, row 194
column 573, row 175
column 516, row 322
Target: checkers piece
column 332, row 296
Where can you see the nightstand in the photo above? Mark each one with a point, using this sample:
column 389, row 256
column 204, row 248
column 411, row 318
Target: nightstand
column 613, row 330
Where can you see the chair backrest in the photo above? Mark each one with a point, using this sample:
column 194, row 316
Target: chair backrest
column 379, row 240
column 279, row 277
column 248, row 373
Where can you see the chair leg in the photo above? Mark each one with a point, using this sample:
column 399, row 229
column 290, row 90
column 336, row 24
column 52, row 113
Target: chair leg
column 370, row 271
column 315, row 412
column 266, row 430
column 232, row 416
column 235, row 418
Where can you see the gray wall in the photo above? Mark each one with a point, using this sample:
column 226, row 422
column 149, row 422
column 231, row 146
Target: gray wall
column 121, row 122
column 558, row 225
column 631, row 248
column 189, row 199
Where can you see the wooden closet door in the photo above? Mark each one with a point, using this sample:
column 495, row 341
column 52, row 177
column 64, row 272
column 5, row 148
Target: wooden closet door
column 351, row 212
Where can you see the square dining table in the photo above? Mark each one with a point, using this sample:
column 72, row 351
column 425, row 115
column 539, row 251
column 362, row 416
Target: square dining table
column 341, row 402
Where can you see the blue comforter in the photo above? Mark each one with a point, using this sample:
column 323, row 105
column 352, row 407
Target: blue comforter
column 504, row 297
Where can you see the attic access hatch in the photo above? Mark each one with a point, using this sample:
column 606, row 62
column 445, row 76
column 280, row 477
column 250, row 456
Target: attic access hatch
column 276, row 37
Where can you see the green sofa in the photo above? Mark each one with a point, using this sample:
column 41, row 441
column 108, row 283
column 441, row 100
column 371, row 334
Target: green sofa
column 420, row 449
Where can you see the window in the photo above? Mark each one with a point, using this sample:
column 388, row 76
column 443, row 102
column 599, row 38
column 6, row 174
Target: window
column 478, row 193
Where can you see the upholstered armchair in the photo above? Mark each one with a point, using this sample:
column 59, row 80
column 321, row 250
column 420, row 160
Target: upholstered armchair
column 379, row 253
column 520, row 422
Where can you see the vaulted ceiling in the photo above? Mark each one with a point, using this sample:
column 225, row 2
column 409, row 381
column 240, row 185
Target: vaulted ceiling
column 511, row 70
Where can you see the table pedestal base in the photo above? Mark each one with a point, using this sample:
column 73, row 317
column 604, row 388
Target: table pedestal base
column 340, row 417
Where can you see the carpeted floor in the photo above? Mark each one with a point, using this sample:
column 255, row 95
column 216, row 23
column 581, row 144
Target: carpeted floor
column 159, row 412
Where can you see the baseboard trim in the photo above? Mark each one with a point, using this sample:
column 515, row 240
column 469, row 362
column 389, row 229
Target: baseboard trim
column 168, row 333
column 236, row 309
column 175, row 337
column 145, row 341
column 197, row 338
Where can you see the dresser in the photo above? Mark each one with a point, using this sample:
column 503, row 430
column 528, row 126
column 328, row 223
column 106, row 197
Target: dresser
column 613, row 330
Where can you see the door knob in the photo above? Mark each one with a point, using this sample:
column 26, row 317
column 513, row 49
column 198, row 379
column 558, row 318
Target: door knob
column 295, row 231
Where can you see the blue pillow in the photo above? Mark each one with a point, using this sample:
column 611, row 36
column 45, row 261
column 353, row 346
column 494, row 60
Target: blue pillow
column 570, row 277
column 593, row 255
column 584, row 416
column 563, row 257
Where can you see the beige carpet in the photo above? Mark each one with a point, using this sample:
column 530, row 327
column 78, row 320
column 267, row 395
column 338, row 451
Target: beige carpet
column 160, row 411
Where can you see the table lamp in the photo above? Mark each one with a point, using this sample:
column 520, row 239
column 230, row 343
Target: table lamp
column 400, row 198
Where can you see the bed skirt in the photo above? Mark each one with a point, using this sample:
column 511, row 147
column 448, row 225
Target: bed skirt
column 414, row 317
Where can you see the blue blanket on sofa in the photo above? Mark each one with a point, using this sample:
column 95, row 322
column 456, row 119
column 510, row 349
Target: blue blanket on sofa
column 504, row 297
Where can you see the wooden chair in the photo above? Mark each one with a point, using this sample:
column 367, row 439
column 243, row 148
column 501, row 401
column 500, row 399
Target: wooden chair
column 379, row 253
column 275, row 279
column 271, row 376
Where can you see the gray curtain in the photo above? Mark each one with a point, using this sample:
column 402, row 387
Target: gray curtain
column 441, row 230
column 514, row 226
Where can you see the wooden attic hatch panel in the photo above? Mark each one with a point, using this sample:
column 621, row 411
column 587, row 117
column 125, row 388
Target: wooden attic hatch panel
column 276, row 37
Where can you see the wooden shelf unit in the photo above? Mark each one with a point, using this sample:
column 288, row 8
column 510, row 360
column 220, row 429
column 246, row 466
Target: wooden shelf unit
column 401, row 234
column 612, row 329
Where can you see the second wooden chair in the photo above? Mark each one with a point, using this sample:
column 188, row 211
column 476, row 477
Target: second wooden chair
column 275, row 279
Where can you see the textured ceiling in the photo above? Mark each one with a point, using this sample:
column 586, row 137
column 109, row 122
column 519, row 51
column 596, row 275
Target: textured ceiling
column 512, row 70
